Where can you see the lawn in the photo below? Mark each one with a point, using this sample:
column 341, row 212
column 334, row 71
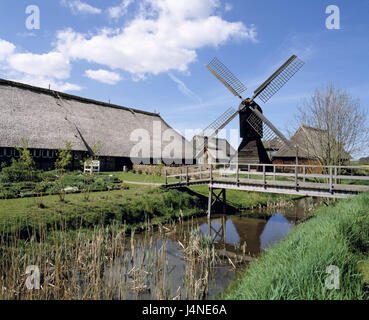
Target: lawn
column 132, row 204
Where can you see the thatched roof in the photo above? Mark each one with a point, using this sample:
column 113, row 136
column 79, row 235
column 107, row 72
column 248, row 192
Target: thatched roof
column 47, row 119
column 310, row 142
column 273, row 144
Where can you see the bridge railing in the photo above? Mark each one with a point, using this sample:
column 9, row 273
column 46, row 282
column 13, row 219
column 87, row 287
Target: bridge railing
column 331, row 175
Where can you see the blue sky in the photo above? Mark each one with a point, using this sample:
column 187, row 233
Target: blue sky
column 151, row 55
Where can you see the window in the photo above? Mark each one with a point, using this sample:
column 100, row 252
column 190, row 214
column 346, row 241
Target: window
column 9, row 152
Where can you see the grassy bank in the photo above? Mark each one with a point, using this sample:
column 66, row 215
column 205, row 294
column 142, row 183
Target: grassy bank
column 296, row 268
column 132, row 205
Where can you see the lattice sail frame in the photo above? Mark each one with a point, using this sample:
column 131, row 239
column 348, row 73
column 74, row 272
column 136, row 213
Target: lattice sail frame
column 267, row 134
column 219, row 122
column 224, row 75
column 275, row 82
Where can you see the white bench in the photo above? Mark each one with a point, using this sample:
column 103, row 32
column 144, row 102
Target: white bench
column 92, row 166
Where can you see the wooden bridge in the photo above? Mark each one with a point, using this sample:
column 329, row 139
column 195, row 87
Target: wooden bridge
column 303, row 180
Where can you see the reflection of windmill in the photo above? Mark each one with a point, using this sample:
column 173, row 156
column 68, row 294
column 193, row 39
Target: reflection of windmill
column 255, row 128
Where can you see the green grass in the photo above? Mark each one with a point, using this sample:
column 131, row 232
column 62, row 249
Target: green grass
column 133, row 206
column 243, row 200
column 129, row 176
column 296, row 267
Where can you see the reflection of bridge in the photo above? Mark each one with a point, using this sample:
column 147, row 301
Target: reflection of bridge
column 256, row 234
column 304, row 180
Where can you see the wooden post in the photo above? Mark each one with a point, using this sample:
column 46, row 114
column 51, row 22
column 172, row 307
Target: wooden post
column 264, row 176
column 211, row 173
column 335, row 175
column 223, row 239
column 166, row 178
column 237, row 175
column 330, row 180
column 210, row 200
column 274, row 173
column 224, row 202
column 304, row 172
column 296, row 176
column 186, row 175
column 248, row 171
column 200, row 173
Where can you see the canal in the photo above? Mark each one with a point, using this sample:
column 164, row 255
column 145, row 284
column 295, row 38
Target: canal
column 197, row 258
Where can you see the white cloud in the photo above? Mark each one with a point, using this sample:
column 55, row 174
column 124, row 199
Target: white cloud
column 49, row 64
column 119, row 11
column 45, row 82
column 36, row 69
column 6, row 49
column 78, row 6
column 183, row 88
column 104, row 76
column 163, row 36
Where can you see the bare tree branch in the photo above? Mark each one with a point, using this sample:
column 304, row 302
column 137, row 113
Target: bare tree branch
column 341, row 124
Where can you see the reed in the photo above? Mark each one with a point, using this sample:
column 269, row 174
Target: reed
column 105, row 262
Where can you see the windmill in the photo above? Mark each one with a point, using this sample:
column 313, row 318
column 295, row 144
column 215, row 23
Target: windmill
column 255, row 128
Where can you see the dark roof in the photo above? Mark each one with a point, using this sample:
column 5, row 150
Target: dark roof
column 309, row 141
column 273, row 144
column 47, row 119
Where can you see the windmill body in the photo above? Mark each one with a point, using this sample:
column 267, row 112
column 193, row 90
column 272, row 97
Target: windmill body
column 251, row 149
column 255, row 128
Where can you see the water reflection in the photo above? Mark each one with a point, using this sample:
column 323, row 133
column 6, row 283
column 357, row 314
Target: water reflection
column 274, row 231
column 230, row 233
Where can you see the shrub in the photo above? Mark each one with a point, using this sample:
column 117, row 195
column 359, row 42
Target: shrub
column 22, row 169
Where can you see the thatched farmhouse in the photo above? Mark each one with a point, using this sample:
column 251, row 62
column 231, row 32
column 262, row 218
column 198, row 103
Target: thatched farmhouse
column 311, row 143
column 47, row 119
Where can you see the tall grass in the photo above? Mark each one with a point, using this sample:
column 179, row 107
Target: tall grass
column 105, row 262
column 296, row 268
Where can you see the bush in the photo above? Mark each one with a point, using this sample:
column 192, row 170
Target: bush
column 18, row 172
column 22, row 169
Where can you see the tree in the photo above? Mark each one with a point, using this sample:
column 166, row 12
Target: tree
column 63, row 161
column 64, row 157
column 88, row 179
column 341, row 125
column 22, row 169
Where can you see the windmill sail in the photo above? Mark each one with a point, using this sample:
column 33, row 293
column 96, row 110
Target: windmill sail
column 278, row 79
column 266, row 130
column 220, row 123
column 212, row 130
column 224, row 75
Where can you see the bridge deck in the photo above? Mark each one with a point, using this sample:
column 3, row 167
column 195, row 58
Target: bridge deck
column 300, row 180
